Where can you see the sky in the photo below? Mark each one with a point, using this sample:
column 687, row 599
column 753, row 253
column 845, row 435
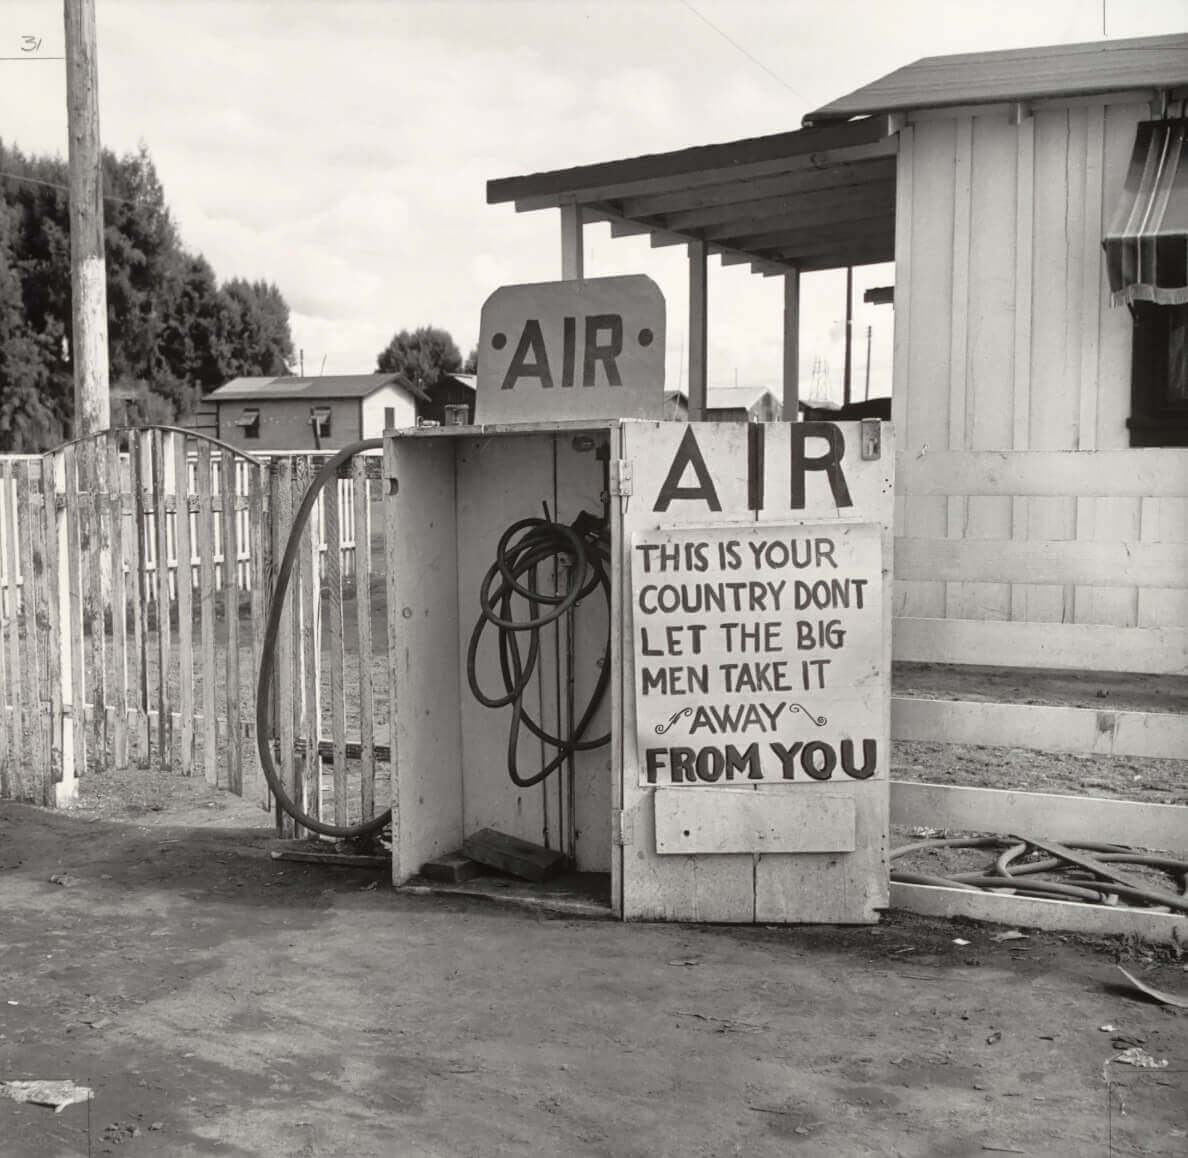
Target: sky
column 342, row 150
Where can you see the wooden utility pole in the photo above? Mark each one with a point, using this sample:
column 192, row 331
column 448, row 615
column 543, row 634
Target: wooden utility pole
column 88, row 272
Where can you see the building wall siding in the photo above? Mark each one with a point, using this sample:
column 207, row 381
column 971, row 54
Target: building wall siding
column 1006, row 340
column 284, row 423
column 387, row 397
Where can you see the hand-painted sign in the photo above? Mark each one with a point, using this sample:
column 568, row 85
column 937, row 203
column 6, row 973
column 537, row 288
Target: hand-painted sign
column 592, row 348
column 758, row 653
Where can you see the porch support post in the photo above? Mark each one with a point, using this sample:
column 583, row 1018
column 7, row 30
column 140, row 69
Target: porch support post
column 572, row 253
column 698, row 346
column 792, row 346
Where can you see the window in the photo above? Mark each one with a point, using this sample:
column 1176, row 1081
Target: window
column 319, row 419
column 389, row 417
column 249, row 423
column 1159, row 376
column 1145, row 247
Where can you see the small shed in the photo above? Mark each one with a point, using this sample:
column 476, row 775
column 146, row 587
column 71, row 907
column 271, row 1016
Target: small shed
column 323, row 413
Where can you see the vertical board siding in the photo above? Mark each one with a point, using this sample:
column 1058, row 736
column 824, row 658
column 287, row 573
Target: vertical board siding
column 923, row 405
column 999, row 246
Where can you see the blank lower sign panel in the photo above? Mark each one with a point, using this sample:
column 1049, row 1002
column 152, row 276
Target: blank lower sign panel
column 725, row 820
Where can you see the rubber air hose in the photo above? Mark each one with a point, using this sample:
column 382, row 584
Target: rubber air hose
column 515, row 573
column 268, row 657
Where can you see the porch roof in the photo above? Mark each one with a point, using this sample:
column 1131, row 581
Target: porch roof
column 815, row 198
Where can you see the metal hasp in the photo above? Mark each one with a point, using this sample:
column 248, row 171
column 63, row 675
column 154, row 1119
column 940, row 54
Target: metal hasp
column 872, row 439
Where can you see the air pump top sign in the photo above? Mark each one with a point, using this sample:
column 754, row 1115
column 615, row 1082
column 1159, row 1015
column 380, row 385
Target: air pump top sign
column 587, row 349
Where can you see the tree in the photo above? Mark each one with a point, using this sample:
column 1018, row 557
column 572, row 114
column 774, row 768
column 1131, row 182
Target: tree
column 422, row 358
column 173, row 332
column 470, row 366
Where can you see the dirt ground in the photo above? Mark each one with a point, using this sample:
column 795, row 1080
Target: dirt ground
column 219, row 1002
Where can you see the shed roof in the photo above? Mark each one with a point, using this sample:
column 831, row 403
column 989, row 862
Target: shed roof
column 1063, row 70
column 326, row 386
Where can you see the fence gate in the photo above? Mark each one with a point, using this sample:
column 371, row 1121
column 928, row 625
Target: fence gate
column 135, row 567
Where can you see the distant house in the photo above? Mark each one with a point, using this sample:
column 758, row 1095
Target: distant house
column 727, row 404
column 451, row 390
column 324, row 413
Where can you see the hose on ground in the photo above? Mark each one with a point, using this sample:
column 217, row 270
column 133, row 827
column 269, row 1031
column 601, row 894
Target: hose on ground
column 523, row 549
column 268, row 659
column 1084, row 879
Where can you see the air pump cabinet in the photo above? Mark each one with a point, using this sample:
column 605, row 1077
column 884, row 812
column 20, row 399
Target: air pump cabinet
column 747, row 775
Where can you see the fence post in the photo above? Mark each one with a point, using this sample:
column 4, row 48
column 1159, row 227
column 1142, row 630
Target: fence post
column 74, row 737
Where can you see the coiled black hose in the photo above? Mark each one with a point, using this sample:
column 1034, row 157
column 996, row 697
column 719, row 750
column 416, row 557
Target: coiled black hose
column 523, row 548
column 268, row 659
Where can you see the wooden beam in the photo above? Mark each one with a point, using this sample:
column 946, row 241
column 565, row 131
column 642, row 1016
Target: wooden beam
column 1091, row 563
column 874, row 198
column 1158, row 735
column 572, row 250
column 1147, row 473
column 710, row 162
column 836, row 176
column 956, row 808
column 1038, row 913
column 791, row 397
column 1066, row 646
column 698, row 331
column 816, row 238
column 697, row 179
column 88, row 347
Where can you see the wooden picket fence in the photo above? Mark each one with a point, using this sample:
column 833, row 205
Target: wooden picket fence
column 135, row 572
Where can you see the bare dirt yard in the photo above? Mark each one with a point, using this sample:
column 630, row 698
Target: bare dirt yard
column 219, row 1002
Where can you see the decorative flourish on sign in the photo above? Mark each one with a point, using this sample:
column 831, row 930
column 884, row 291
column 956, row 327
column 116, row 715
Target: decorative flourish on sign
column 820, row 721
column 662, row 728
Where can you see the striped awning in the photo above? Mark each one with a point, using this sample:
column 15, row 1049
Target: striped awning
column 1147, row 241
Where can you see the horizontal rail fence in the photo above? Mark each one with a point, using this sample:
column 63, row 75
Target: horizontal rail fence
column 1138, row 574
column 126, row 639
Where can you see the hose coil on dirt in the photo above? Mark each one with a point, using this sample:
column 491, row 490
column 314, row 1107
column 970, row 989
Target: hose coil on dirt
column 523, row 549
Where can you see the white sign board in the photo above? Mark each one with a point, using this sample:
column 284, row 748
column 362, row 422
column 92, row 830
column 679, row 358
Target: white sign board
column 586, row 349
column 758, row 654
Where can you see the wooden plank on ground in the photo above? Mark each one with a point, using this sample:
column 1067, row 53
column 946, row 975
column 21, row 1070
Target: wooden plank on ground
column 510, row 854
column 1159, row 735
column 206, row 602
column 336, row 657
column 231, row 620
column 28, row 627
column 184, row 579
column 161, row 575
column 1040, row 913
column 1101, row 564
column 363, row 613
column 118, row 601
column 1076, row 646
column 956, row 808
column 1139, row 473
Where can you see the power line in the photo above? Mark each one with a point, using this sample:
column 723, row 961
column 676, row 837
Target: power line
column 66, row 188
column 753, row 59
